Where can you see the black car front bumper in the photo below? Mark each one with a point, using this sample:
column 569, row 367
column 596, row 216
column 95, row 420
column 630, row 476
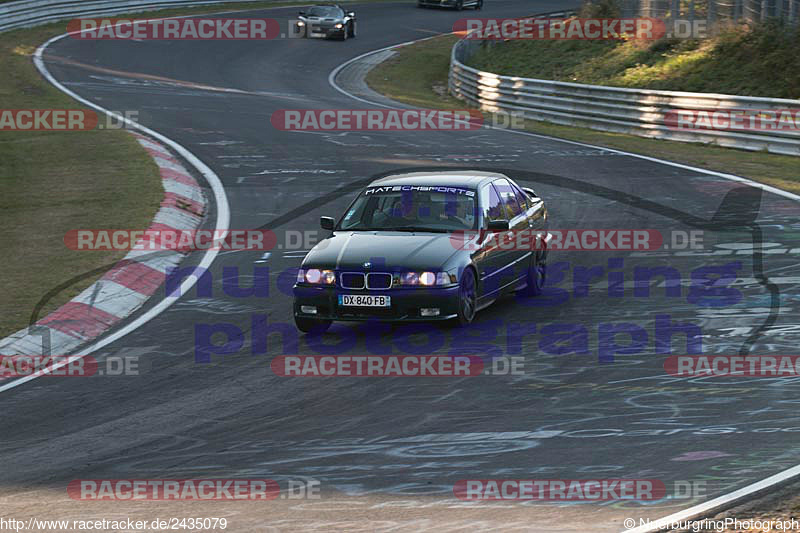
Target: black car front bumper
column 323, row 31
column 438, row 3
column 405, row 303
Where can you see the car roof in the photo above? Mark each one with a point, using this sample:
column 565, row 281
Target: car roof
column 471, row 179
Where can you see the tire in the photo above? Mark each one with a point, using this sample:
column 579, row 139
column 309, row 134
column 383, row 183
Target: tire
column 535, row 277
column 467, row 297
column 353, row 30
column 307, row 325
column 459, row 5
column 345, row 31
column 478, row 5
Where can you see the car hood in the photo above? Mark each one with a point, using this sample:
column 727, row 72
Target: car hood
column 392, row 250
column 323, row 19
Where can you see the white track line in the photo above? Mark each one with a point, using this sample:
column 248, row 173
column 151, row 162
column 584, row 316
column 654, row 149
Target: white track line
column 726, row 500
column 716, row 505
column 223, row 216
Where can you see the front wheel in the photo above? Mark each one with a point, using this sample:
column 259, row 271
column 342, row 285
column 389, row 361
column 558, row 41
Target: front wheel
column 307, row 325
column 467, row 297
column 353, row 30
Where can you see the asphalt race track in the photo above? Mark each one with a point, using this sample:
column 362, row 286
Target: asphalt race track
column 387, row 451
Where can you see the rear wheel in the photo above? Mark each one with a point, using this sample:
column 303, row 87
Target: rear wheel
column 535, row 277
column 352, row 29
column 467, row 297
column 307, row 325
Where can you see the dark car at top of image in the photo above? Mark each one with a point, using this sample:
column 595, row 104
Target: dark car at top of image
column 423, row 246
column 326, row 20
column 458, row 5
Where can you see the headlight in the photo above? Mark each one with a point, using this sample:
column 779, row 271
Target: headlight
column 301, row 23
column 409, row 278
column 338, row 26
column 316, row 276
column 443, row 278
column 427, row 279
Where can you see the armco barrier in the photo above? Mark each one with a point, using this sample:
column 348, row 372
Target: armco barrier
column 634, row 111
column 26, row 13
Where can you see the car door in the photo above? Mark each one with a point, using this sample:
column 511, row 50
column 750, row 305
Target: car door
column 537, row 218
column 488, row 256
column 517, row 253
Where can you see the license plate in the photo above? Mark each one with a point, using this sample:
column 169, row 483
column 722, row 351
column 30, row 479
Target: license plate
column 364, row 300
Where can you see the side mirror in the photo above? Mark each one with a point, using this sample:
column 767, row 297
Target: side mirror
column 530, row 192
column 327, row 223
column 301, row 13
column 498, row 225
column 351, row 14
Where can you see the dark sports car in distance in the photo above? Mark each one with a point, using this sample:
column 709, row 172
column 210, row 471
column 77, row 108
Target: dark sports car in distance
column 326, row 20
column 420, row 247
column 458, row 5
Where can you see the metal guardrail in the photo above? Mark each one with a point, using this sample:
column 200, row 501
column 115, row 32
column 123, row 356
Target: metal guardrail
column 634, row 111
column 27, row 13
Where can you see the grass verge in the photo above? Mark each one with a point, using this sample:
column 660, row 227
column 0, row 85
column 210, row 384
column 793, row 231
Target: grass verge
column 51, row 182
column 758, row 60
column 417, row 75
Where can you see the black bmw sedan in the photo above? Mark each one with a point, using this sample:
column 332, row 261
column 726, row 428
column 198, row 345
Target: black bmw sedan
column 422, row 247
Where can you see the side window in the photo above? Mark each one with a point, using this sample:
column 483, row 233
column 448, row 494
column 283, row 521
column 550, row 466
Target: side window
column 522, row 198
column 491, row 204
column 509, row 198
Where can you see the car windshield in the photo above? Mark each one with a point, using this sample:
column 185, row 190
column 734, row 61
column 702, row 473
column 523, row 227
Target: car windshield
column 325, row 11
column 412, row 208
